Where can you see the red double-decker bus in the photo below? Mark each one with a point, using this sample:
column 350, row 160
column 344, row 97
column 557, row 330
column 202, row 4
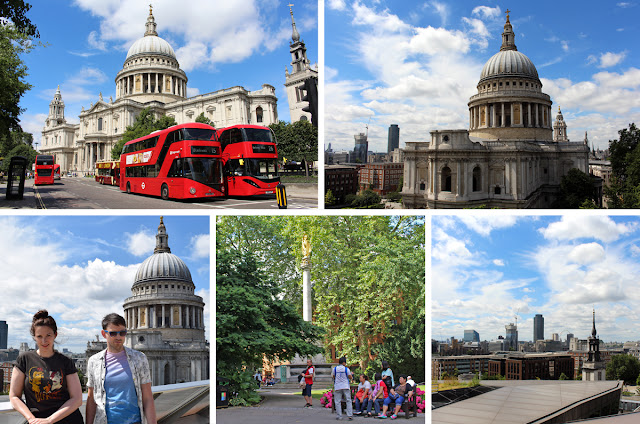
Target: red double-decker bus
column 108, row 172
column 250, row 160
column 56, row 172
column 44, row 169
column 181, row 162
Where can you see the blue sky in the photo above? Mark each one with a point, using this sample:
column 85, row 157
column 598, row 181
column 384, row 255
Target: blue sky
column 416, row 63
column 488, row 268
column 81, row 268
column 218, row 44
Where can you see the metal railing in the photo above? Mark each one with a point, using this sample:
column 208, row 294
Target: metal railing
column 172, row 401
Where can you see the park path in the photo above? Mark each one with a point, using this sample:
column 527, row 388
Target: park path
column 286, row 406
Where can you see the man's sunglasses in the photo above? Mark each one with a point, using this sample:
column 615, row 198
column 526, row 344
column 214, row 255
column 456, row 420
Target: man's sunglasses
column 115, row 333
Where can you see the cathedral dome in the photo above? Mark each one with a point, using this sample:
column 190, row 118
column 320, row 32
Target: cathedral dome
column 162, row 265
column 508, row 63
column 151, row 44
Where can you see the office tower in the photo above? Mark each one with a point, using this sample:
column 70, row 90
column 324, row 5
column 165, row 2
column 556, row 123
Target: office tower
column 538, row 328
column 394, row 138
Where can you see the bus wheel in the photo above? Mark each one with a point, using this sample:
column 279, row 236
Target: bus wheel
column 164, row 192
column 128, row 188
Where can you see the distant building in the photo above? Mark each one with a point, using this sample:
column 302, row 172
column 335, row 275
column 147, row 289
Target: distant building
column 342, row 180
column 511, row 338
column 361, row 148
column 377, row 157
column 8, row 354
column 593, row 368
column 4, row 334
column 538, row 328
column 496, row 345
column 393, row 141
column 383, row 178
column 471, row 336
column 569, row 337
column 531, row 366
column 5, row 375
column 397, row 156
column 555, row 337
column 550, row 346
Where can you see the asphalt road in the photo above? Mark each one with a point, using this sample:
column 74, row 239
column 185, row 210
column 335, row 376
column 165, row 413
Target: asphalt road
column 85, row 193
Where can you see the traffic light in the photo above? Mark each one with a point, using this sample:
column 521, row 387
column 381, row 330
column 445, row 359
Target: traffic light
column 310, row 88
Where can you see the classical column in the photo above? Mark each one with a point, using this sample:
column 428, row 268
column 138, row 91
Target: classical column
column 470, row 119
column 306, row 279
column 186, row 324
column 493, row 115
column 458, row 180
column 157, row 88
column 194, row 323
column 163, row 323
column 180, row 323
column 502, row 115
column 512, row 114
column 529, row 115
column 537, row 122
column 521, row 114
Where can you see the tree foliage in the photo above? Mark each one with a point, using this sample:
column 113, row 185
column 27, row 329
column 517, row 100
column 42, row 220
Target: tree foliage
column 13, row 73
column 254, row 322
column 624, row 154
column 145, row 124
column 623, row 367
column 368, row 272
column 20, row 145
column 297, row 141
column 204, row 120
column 16, row 12
column 576, row 188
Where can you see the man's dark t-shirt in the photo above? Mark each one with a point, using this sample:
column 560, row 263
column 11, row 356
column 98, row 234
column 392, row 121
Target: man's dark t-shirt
column 45, row 383
column 403, row 389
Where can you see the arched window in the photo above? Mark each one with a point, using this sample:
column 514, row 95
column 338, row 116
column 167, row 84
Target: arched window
column 303, row 118
column 476, row 178
column 446, row 179
column 259, row 114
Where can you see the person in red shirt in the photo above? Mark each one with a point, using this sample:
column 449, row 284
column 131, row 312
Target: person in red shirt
column 308, row 375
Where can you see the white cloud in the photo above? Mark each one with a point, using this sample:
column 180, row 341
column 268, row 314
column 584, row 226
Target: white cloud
column 600, row 227
column 487, row 12
column 483, row 225
column 442, row 10
column 498, row 262
column 203, row 34
column 565, row 45
column 610, row 59
column 337, row 4
column 141, row 243
column 585, row 254
column 95, row 42
column 201, row 246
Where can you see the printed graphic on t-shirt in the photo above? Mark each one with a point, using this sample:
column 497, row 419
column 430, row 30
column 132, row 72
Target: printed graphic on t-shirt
column 45, row 384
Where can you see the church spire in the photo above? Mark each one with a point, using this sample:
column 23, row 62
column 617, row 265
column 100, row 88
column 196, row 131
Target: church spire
column 295, row 35
column 508, row 36
column 593, row 330
column 151, row 23
column 162, row 239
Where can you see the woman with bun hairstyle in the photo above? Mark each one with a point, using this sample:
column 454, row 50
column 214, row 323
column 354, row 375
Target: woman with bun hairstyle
column 48, row 379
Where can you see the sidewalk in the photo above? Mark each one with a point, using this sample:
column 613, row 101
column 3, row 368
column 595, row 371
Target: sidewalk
column 286, row 406
column 302, row 190
column 28, row 201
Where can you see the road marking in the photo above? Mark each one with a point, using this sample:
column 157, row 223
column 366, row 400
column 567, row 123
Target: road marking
column 39, row 198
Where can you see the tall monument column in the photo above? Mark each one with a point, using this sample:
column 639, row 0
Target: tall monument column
column 306, row 279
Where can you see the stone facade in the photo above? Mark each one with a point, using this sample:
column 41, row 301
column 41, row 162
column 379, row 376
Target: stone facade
column 508, row 157
column 300, row 71
column 150, row 78
column 165, row 319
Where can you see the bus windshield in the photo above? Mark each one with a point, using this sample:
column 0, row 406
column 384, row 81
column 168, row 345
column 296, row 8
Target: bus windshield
column 44, row 160
column 203, row 170
column 262, row 168
column 258, row 134
column 198, row 134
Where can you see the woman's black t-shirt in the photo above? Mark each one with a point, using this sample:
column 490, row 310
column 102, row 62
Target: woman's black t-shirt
column 45, row 383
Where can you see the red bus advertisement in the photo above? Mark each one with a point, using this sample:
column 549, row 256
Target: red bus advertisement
column 250, row 159
column 181, row 162
column 108, row 172
column 44, row 169
column 56, row 172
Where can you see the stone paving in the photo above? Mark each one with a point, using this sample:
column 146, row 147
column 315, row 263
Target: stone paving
column 286, row 406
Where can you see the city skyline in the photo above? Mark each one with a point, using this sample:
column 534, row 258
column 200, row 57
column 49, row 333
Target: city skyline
column 416, row 64
column 486, row 269
column 219, row 46
column 86, row 266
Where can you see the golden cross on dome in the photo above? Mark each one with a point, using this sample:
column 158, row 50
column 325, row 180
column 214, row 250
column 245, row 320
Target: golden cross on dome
column 507, row 12
column 150, row 9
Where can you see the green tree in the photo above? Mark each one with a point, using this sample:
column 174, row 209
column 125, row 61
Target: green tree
column 145, row 124
column 366, row 199
column 623, row 367
column 297, row 142
column 624, row 154
column 16, row 12
column 403, row 348
column 19, row 150
column 253, row 322
column 575, row 189
column 563, row 376
column 329, row 198
column 204, row 120
column 368, row 272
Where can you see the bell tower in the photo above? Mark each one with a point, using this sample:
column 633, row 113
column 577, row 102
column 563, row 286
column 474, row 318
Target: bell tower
column 56, row 109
